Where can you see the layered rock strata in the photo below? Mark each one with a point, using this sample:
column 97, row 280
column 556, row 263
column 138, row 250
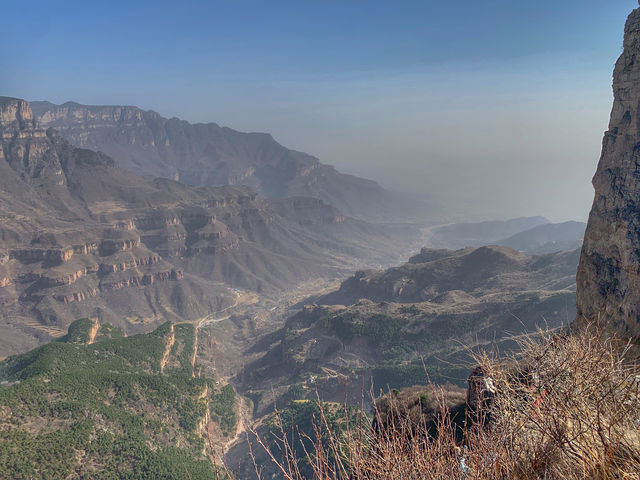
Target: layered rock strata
column 81, row 237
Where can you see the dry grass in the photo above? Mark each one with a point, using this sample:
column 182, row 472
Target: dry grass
column 568, row 407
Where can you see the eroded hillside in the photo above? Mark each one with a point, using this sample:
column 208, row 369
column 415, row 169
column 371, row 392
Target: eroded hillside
column 381, row 326
column 98, row 405
column 82, row 237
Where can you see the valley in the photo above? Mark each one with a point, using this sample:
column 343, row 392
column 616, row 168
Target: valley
column 287, row 296
column 186, row 294
column 351, row 342
column 83, row 238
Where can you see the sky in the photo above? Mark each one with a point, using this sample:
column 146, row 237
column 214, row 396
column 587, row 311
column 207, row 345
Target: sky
column 495, row 109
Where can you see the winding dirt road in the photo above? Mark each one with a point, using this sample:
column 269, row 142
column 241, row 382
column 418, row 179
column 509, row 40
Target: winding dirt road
column 211, row 318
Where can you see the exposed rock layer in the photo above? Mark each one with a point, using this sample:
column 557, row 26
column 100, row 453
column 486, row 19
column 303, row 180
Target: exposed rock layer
column 608, row 282
column 81, row 237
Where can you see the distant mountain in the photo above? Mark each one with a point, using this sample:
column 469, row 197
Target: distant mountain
column 548, row 238
column 431, row 274
column 80, row 237
column 382, row 325
column 460, row 235
column 98, row 405
column 150, row 145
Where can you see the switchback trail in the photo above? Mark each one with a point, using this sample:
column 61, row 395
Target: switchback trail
column 211, row 318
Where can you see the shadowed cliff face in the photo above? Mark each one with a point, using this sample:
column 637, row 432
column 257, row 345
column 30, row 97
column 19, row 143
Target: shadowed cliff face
column 608, row 282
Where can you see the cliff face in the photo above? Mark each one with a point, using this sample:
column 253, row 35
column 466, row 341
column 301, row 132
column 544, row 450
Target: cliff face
column 25, row 147
column 81, row 237
column 150, row 145
column 608, row 282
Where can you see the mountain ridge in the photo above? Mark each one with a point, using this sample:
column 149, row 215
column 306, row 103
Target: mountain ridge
column 80, row 237
column 384, row 326
column 202, row 154
column 547, row 238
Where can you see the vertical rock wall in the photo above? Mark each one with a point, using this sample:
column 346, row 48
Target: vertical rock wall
column 608, row 282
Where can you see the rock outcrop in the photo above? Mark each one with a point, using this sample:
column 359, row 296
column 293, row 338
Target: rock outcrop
column 608, row 281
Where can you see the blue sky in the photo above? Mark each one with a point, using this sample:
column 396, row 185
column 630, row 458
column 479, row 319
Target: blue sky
column 495, row 107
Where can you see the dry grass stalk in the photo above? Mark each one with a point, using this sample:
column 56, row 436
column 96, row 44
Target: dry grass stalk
column 568, row 407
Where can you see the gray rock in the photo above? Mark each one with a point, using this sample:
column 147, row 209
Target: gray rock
column 608, row 281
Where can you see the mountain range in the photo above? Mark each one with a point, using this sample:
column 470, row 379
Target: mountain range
column 206, row 154
column 81, row 237
column 547, row 238
column 153, row 232
column 534, row 235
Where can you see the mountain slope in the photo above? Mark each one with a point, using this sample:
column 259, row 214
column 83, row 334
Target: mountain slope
column 99, row 405
column 206, row 154
column 548, row 238
column 432, row 273
column 460, row 235
column 80, row 237
column 381, row 326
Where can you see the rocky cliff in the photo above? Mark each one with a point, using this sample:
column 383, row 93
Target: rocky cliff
column 81, row 237
column 150, row 145
column 608, row 282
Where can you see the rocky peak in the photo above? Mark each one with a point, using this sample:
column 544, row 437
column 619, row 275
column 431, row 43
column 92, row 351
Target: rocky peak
column 15, row 114
column 608, row 281
column 27, row 149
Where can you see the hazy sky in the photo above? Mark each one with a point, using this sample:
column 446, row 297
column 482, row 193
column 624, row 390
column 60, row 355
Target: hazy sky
column 496, row 107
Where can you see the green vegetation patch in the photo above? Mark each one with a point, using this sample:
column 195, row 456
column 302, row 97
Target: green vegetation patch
column 222, row 409
column 379, row 329
column 104, row 410
column 79, row 331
